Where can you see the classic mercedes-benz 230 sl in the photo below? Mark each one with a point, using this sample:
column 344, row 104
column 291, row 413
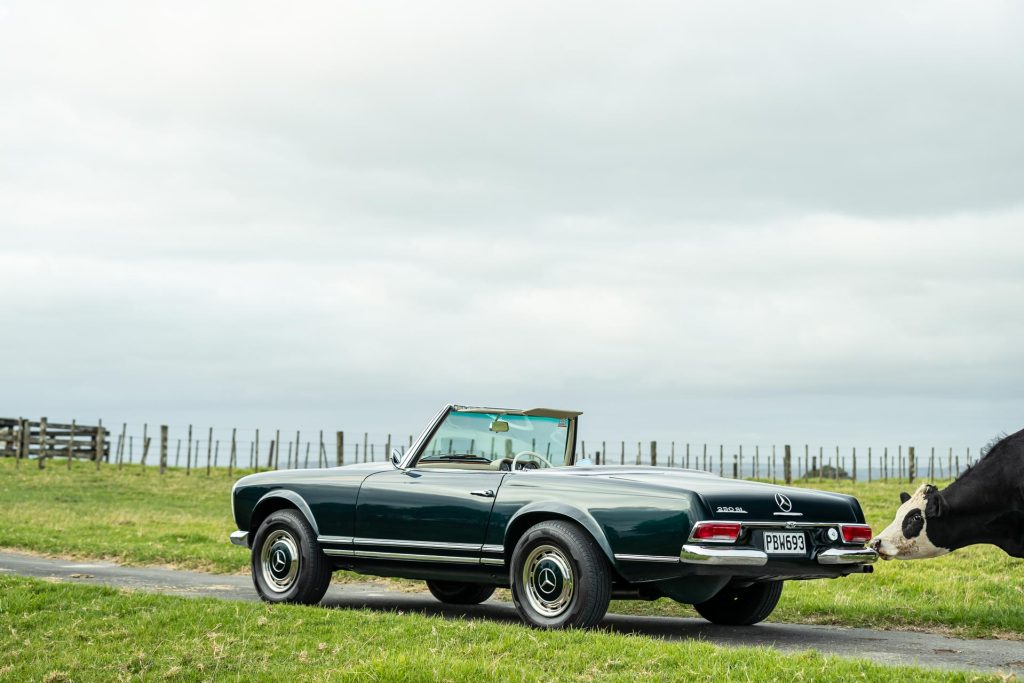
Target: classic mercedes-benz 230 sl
column 488, row 497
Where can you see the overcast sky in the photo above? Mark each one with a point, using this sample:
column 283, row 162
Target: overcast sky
column 738, row 222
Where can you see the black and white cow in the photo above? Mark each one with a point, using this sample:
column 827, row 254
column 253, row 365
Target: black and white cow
column 984, row 505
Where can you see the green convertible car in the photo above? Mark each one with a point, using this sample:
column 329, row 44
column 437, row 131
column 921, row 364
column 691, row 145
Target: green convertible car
column 489, row 497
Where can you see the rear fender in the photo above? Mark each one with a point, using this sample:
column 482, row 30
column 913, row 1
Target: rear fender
column 555, row 510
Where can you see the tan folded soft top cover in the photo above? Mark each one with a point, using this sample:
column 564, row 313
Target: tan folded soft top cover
column 532, row 412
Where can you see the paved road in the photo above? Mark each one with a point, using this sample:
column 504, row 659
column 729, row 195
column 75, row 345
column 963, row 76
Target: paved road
column 885, row 647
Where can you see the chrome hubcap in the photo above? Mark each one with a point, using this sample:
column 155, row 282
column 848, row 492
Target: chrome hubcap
column 547, row 580
column 279, row 560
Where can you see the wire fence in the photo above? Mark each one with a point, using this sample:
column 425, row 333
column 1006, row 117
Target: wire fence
column 195, row 448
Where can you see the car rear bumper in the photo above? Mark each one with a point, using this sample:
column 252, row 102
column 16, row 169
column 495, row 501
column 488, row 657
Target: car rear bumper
column 752, row 557
column 240, row 538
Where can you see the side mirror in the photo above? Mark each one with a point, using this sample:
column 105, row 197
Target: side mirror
column 499, row 426
column 396, row 457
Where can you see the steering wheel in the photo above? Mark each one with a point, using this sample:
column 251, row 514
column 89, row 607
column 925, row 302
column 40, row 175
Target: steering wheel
column 538, row 456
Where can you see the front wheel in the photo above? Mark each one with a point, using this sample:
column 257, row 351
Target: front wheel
column 454, row 593
column 742, row 606
column 560, row 578
column 287, row 562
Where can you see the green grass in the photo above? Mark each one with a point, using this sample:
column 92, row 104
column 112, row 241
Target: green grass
column 139, row 517
column 63, row 632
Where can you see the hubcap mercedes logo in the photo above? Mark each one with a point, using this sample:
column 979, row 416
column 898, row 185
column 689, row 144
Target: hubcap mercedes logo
column 547, row 580
column 784, row 503
column 279, row 561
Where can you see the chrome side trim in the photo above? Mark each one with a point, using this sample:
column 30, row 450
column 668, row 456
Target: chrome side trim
column 334, row 539
column 696, row 554
column 847, row 556
column 413, row 557
column 493, row 548
column 240, row 538
column 434, row 545
column 337, row 551
column 497, row 561
column 646, row 558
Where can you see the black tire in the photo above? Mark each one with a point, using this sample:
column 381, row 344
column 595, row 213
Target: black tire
column 548, row 554
column 287, row 563
column 454, row 593
column 742, row 606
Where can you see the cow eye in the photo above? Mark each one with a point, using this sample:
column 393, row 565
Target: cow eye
column 913, row 523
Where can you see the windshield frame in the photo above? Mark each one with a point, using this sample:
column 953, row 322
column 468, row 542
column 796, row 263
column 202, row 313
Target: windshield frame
column 420, row 446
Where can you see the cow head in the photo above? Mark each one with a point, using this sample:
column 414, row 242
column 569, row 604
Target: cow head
column 907, row 537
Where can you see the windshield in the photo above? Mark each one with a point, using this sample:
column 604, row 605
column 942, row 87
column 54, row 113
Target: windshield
column 468, row 437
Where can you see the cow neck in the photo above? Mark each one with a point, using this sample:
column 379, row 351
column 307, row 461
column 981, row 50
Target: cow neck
column 985, row 505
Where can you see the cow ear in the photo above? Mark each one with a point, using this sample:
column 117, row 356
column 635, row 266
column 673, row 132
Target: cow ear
column 904, row 497
column 933, row 506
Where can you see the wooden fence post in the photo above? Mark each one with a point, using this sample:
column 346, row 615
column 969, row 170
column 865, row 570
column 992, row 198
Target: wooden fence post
column 654, row 454
column 188, row 453
column 234, row 453
column 321, row 458
column 721, row 460
column 256, row 452
column 124, row 431
column 687, row 455
column 19, row 443
column 787, row 465
column 622, row 455
column 209, row 450
column 305, row 465
column 99, row 444
column 340, row 445
column 71, row 444
column 277, row 450
column 163, row 449
column 270, row 453
column 41, row 457
column 387, row 450
column 911, row 465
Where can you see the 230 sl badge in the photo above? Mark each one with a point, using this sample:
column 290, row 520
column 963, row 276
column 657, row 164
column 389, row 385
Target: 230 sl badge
column 734, row 510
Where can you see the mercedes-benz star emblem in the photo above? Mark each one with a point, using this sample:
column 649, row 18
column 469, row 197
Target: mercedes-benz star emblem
column 784, row 503
column 547, row 580
column 279, row 560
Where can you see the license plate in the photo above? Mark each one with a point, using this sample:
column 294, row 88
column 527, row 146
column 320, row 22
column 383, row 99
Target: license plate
column 785, row 543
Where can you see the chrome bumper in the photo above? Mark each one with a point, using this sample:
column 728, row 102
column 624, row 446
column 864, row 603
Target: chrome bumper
column 701, row 554
column 751, row 557
column 240, row 538
column 847, row 556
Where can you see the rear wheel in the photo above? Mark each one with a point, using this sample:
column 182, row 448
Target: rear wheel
column 560, row 578
column 287, row 562
column 742, row 606
column 454, row 593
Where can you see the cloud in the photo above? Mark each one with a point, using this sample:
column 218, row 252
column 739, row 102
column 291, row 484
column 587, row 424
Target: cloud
column 236, row 210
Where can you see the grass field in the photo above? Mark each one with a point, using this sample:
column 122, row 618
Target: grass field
column 142, row 518
column 62, row 632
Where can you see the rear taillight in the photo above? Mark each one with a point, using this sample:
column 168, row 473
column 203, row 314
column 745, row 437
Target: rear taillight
column 855, row 533
column 716, row 531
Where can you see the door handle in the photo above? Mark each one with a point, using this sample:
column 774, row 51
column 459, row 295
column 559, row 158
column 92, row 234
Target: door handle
column 483, row 494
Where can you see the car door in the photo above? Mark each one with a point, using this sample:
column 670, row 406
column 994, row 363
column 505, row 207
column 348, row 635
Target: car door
column 430, row 513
